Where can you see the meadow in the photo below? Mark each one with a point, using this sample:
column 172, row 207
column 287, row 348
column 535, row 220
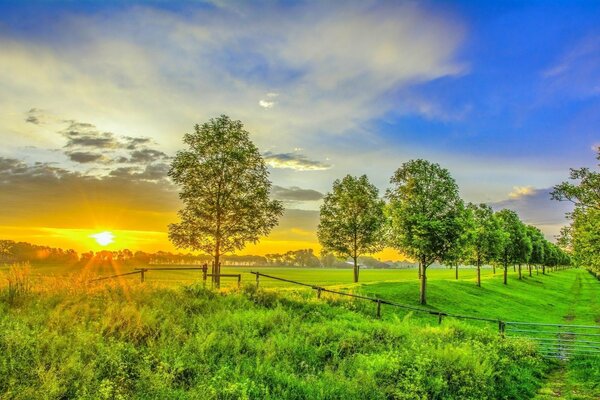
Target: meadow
column 172, row 338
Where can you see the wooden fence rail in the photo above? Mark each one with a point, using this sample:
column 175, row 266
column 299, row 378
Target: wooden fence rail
column 379, row 302
column 142, row 272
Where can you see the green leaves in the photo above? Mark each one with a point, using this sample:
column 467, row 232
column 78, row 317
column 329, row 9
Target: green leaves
column 425, row 211
column 224, row 188
column 352, row 219
column 582, row 237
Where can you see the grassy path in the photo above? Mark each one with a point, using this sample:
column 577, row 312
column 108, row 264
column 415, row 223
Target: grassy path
column 568, row 380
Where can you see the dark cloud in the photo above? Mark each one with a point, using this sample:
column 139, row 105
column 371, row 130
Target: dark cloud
column 295, row 193
column 34, row 116
column 147, row 156
column 133, row 143
column 84, row 157
column 295, row 161
column 85, row 142
column 80, row 134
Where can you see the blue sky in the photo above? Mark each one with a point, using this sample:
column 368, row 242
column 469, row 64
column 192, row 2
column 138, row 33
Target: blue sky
column 504, row 94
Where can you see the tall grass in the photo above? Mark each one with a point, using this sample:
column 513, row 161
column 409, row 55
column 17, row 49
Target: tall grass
column 121, row 341
column 17, row 283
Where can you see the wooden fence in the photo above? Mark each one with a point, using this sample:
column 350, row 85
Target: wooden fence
column 143, row 271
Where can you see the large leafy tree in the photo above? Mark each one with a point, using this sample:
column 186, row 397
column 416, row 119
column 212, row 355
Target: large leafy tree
column 582, row 237
column 517, row 248
column 352, row 221
column 425, row 214
column 224, row 189
column 487, row 237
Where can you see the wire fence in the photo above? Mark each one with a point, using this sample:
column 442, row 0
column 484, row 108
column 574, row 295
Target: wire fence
column 561, row 341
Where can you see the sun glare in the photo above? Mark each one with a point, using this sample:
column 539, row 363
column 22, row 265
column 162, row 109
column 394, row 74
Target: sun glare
column 103, row 238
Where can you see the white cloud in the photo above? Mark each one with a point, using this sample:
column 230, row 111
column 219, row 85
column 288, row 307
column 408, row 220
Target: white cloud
column 266, row 104
column 159, row 72
column 522, row 191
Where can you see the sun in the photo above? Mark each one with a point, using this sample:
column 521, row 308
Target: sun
column 103, row 238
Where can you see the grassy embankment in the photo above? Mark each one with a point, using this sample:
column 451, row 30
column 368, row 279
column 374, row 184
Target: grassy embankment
column 126, row 340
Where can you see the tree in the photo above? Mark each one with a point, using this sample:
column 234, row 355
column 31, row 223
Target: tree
column 537, row 246
column 224, row 189
column 518, row 247
column 352, row 221
column 487, row 237
column 460, row 249
column 582, row 238
column 425, row 214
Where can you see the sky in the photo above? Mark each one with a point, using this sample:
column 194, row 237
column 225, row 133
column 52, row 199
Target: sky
column 95, row 98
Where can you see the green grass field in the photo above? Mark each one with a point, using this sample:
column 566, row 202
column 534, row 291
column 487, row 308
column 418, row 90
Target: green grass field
column 170, row 338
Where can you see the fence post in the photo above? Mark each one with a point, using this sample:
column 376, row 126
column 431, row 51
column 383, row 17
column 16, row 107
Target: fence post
column 318, row 293
column 501, row 328
column 239, row 280
column 142, row 275
column 378, row 309
column 204, row 272
column 257, row 275
column 440, row 316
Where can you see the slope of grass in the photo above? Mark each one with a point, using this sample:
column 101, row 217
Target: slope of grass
column 141, row 341
column 569, row 296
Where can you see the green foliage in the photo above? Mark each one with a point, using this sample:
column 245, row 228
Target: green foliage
column 352, row 219
column 582, row 237
column 224, row 188
column 517, row 247
column 140, row 343
column 487, row 237
column 426, row 213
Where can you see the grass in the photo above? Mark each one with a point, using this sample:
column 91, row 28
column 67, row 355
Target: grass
column 121, row 339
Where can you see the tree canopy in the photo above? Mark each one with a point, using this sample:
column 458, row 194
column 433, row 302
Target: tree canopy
column 425, row 214
column 352, row 220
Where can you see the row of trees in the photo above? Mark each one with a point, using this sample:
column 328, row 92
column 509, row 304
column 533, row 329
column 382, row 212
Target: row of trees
column 225, row 192
column 424, row 217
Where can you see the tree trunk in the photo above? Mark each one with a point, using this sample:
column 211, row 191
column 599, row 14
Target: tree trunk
column 520, row 275
column 423, row 294
column 217, row 269
column 543, row 269
column 419, row 270
column 529, row 265
column 355, row 270
column 456, row 269
column 514, row 268
column 494, row 269
column 478, row 273
column 505, row 273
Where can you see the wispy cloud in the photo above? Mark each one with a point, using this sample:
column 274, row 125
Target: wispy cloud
column 577, row 71
column 296, row 161
column 295, row 193
column 331, row 61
